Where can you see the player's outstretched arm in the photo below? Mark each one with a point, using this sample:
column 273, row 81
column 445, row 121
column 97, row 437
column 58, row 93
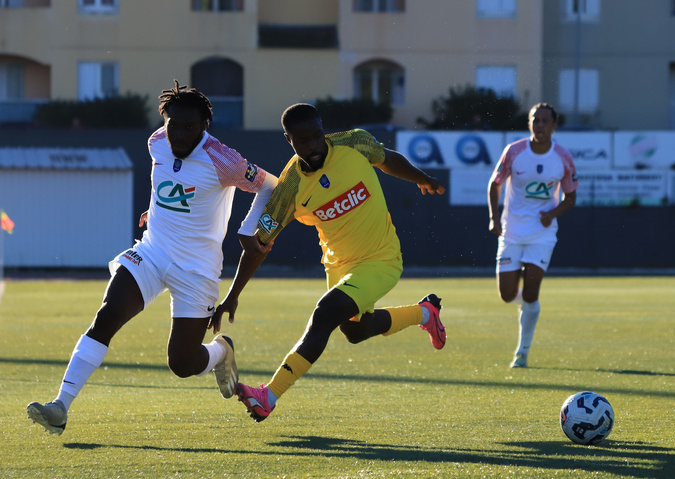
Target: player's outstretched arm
column 252, row 256
column 395, row 164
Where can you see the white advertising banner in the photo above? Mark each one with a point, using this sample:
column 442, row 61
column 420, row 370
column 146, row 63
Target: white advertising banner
column 620, row 188
column 469, row 187
column 434, row 149
column 590, row 150
column 614, row 168
column 596, row 188
column 644, row 149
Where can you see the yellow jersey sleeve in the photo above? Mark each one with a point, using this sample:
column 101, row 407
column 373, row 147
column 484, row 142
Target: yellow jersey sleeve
column 361, row 141
column 280, row 208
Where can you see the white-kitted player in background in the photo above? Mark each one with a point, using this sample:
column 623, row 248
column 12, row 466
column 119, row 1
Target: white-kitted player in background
column 534, row 170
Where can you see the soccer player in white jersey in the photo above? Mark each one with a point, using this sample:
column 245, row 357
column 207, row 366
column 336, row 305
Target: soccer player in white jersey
column 535, row 171
column 193, row 181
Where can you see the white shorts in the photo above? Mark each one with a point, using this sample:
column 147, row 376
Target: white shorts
column 512, row 256
column 192, row 295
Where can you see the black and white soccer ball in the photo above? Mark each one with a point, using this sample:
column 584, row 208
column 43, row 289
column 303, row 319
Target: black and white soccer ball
column 586, row 418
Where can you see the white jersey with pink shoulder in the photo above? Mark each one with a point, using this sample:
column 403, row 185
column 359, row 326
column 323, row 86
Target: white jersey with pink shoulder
column 191, row 201
column 533, row 183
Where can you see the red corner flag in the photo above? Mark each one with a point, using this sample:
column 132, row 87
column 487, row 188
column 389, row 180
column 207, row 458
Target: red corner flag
column 6, row 223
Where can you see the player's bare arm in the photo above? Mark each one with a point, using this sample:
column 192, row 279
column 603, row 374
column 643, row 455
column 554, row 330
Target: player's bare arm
column 568, row 202
column 253, row 254
column 395, row 164
column 494, row 192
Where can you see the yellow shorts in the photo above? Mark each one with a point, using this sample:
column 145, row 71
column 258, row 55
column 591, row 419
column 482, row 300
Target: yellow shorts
column 366, row 283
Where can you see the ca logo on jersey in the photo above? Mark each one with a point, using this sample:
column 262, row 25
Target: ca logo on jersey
column 539, row 190
column 268, row 223
column 174, row 197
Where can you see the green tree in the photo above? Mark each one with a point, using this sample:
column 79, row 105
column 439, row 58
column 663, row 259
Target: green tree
column 471, row 108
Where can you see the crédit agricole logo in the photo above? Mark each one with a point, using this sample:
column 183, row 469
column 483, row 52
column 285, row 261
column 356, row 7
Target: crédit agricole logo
column 174, row 197
column 539, row 190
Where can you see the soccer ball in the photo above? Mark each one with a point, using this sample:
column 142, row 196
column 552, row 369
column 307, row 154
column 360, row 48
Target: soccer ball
column 586, row 418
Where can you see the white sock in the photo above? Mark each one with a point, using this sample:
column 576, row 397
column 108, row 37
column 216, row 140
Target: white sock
column 519, row 297
column 529, row 315
column 216, row 353
column 425, row 315
column 271, row 398
column 86, row 358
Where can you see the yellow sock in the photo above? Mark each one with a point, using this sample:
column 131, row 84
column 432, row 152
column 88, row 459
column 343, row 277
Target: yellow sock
column 293, row 367
column 402, row 317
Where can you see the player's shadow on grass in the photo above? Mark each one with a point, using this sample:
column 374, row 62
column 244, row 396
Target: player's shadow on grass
column 634, row 372
column 609, row 457
column 616, row 457
column 64, row 363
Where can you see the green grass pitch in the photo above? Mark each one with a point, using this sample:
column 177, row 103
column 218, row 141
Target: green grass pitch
column 389, row 407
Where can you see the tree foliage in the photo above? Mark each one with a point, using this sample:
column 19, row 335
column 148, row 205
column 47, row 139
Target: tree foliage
column 471, row 108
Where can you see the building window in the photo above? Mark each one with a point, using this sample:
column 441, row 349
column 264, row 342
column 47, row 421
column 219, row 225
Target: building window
column 379, row 5
column 584, row 10
column 97, row 80
column 12, row 81
column 501, row 79
column 496, row 8
column 380, row 81
column 222, row 81
column 217, row 5
column 583, row 97
column 99, row 6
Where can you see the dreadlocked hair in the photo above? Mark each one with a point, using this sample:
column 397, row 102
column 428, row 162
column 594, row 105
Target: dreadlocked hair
column 186, row 97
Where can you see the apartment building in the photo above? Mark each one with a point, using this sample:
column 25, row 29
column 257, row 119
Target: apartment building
column 620, row 54
column 255, row 57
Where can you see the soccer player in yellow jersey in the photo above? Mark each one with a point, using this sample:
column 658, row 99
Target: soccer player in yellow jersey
column 331, row 184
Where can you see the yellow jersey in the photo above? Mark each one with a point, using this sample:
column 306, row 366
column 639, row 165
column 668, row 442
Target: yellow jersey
column 343, row 200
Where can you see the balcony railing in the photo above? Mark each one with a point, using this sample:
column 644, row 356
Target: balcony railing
column 18, row 111
column 24, row 3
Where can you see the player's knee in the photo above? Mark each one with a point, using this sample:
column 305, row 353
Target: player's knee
column 180, row 368
column 353, row 333
column 508, row 296
column 325, row 319
column 530, row 296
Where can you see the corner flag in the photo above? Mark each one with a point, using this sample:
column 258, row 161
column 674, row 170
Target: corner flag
column 6, row 223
